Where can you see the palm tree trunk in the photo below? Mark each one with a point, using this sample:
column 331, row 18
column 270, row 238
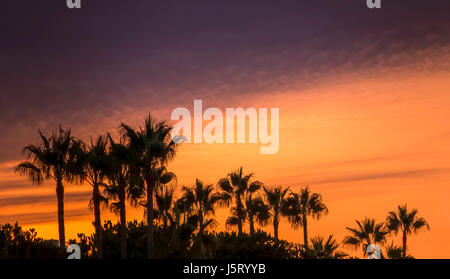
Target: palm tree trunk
column 252, row 224
column 404, row 245
column 60, row 197
column 275, row 227
column 240, row 214
column 150, row 229
column 201, row 245
column 97, row 221
column 123, row 223
column 305, row 231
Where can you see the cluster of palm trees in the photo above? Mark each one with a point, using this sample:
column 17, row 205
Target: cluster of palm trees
column 128, row 169
column 133, row 169
column 368, row 231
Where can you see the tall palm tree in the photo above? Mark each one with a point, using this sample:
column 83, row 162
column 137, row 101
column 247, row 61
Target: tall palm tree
column 234, row 188
column 155, row 149
column 95, row 168
column 407, row 222
column 304, row 204
column 124, row 184
column 367, row 232
column 276, row 199
column 200, row 201
column 52, row 159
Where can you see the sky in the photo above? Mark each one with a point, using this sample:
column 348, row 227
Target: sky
column 363, row 97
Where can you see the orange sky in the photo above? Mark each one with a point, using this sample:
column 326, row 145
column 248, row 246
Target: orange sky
column 366, row 141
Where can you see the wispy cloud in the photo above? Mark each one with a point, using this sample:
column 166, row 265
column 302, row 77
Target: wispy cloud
column 72, row 197
column 313, row 179
column 42, row 217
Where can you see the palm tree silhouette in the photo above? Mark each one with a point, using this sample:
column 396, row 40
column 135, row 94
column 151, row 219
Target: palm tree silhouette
column 257, row 212
column 304, row 204
column 323, row 249
column 407, row 222
column 124, row 183
column 234, row 187
column 393, row 251
column 367, row 232
column 155, row 148
column 95, row 167
column 163, row 195
column 254, row 209
column 164, row 201
column 276, row 199
column 53, row 159
column 201, row 201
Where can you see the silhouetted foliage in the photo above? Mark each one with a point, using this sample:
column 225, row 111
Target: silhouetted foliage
column 236, row 188
column 181, row 242
column 408, row 222
column 321, row 249
column 259, row 245
column 276, row 202
column 396, row 252
column 367, row 232
column 299, row 206
column 16, row 243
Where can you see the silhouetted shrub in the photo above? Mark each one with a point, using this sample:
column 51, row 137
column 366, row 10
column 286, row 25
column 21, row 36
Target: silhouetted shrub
column 16, row 243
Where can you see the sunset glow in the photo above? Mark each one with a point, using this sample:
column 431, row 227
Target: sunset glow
column 363, row 115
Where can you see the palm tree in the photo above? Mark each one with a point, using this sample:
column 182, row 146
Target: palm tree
column 304, row 204
column 367, row 232
column 164, row 202
column 155, row 149
column 52, row 159
column 322, row 249
column 96, row 166
column 407, row 222
column 393, row 251
column 163, row 195
column 257, row 212
column 254, row 209
column 234, row 188
column 276, row 199
column 201, row 202
column 124, row 183
column 95, row 161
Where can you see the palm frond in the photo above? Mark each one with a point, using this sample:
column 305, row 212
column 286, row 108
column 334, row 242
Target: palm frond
column 33, row 172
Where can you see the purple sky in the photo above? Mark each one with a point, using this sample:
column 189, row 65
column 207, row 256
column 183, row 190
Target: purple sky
column 86, row 66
